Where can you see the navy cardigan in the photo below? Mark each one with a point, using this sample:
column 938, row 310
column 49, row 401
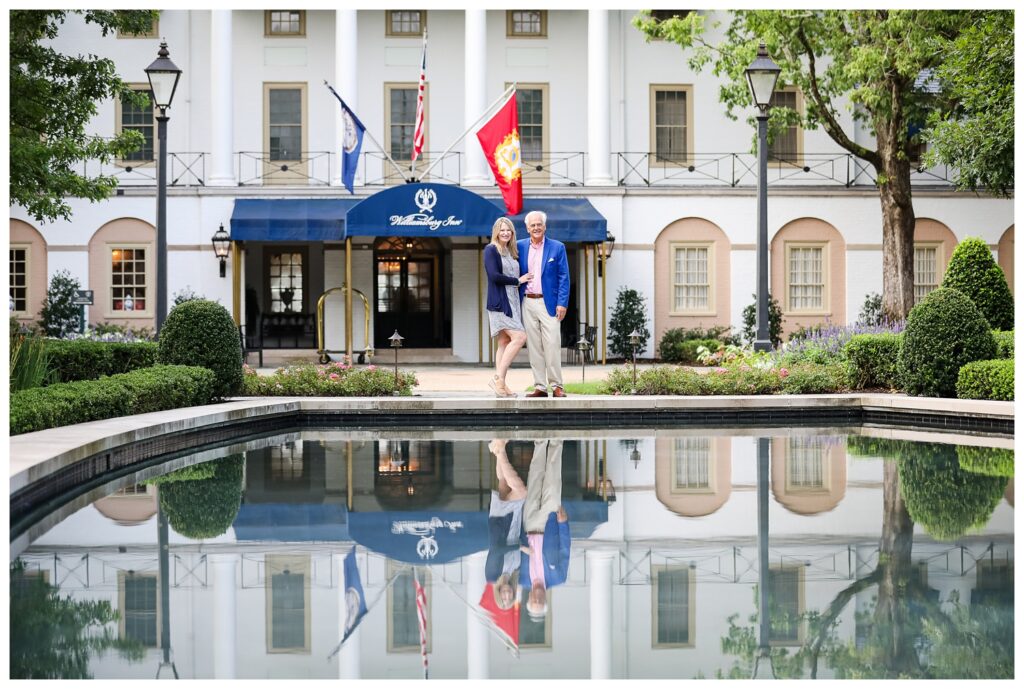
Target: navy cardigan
column 497, row 298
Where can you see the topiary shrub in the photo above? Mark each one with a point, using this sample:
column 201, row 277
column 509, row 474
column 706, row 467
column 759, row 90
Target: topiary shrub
column 774, row 321
column 940, row 496
column 989, row 461
column 60, row 316
column 90, row 359
column 200, row 508
column 986, row 380
column 1004, row 343
column 973, row 271
column 867, row 446
column 630, row 314
column 199, row 332
column 944, row 332
column 871, row 360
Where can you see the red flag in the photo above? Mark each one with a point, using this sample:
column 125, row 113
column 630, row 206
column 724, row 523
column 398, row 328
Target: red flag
column 421, row 616
column 417, row 136
column 506, row 621
column 500, row 140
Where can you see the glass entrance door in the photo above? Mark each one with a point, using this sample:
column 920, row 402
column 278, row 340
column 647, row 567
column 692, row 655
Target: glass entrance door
column 407, row 295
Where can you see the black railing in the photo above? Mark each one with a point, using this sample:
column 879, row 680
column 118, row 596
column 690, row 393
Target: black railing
column 309, row 168
column 184, row 170
column 376, row 169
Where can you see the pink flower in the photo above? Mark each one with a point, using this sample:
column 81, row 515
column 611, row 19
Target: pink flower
column 372, row 367
column 783, row 373
column 334, row 376
column 721, row 370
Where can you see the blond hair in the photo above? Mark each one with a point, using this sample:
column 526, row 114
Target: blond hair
column 511, row 246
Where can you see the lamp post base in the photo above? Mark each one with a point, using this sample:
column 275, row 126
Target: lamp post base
column 762, row 345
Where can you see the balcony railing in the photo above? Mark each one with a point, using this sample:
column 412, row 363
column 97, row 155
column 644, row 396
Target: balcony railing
column 553, row 169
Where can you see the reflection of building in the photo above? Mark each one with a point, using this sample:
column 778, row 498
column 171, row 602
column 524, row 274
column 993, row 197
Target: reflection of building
column 694, row 473
column 132, row 505
column 670, row 583
column 808, row 473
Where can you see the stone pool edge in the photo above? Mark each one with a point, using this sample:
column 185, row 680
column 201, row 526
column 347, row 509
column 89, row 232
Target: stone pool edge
column 36, row 456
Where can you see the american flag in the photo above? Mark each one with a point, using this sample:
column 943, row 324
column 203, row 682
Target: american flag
column 421, row 616
column 417, row 136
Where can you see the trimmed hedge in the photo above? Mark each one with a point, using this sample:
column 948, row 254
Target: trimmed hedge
column 336, row 379
column 145, row 390
column 205, row 507
column 974, row 272
column 989, row 461
column 685, row 351
column 200, row 332
column 72, row 360
column 944, row 332
column 736, row 380
column 1004, row 343
column 871, row 360
column 986, row 380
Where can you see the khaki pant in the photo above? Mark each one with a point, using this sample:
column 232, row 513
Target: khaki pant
column 543, row 484
column 543, row 344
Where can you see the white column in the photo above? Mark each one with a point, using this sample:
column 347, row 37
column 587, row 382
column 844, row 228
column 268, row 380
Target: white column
column 346, row 83
column 225, row 632
column 477, row 660
column 598, row 101
column 599, row 572
column 476, row 172
column 222, row 173
column 348, row 656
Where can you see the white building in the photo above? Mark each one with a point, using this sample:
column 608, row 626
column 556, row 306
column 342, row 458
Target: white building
column 605, row 117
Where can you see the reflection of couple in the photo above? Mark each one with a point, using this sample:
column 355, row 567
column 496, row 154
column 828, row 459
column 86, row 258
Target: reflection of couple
column 529, row 529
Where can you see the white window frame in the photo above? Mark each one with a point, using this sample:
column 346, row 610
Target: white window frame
column 390, row 33
column 108, row 302
column 534, row 177
column 939, row 265
column 655, row 89
column 825, row 277
column 679, row 450
column 296, row 167
column 406, row 86
column 28, row 280
column 296, row 564
column 711, row 309
column 800, row 449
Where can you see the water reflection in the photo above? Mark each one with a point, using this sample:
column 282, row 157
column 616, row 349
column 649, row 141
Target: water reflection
column 562, row 556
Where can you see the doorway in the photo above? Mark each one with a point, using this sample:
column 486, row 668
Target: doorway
column 408, row 297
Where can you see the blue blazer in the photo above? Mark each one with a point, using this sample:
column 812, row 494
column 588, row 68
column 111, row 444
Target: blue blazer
column 497, row 296
column 555, row 556
column 554, row 274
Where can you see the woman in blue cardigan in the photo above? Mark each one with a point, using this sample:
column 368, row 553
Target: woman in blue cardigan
column 504, row 310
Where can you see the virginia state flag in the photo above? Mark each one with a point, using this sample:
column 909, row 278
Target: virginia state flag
column 355, row 601
column 500, row 141
column 352, row 143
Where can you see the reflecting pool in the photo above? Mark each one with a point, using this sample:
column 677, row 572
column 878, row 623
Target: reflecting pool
column 654, row 553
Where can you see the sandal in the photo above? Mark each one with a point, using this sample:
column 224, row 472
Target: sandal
column 503, row 390
column 495, row 385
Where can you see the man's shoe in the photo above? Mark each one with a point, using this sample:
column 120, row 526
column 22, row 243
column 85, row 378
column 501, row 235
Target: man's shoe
column 558, row 392
column 538, row 392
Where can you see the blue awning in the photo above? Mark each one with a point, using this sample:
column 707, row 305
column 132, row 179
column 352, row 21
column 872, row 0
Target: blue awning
column 290, row 220
column 290, row 522
column 569, row 220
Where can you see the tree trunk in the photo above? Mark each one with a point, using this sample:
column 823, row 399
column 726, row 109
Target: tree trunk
column 897, row 217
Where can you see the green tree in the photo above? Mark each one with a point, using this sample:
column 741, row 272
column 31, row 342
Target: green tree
column 630, row 315
column 868, row 61
column 974, row 272
column 53, row 98
column 975, row 134
column 53, row 637
column 59, row 315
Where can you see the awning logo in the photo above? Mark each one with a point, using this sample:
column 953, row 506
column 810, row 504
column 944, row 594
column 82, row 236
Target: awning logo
column 425, row 200
column 427, row 547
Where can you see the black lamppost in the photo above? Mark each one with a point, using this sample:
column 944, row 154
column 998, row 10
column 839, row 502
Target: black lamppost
column 221, row 247
column 163, row 82
column 767, row 670
column 634, row 454
column 396, row 343
column 761, row 77
column 584, row 346
column 634, row 341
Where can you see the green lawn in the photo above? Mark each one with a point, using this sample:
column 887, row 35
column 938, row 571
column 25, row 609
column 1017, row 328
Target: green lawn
column 595, row 388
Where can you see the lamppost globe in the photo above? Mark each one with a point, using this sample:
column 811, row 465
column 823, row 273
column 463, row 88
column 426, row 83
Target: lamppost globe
column 163, row 82
column 762, row 75
column 634, row 341
column 396, row 343
column 221, row 247
column 584, row 346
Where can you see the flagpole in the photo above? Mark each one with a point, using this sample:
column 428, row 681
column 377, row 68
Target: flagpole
column 370, row 607
column 473, row 126
column 419, row 102
column 367, row 133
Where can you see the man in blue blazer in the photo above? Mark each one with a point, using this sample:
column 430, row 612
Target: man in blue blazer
column 545, row 301
column 546, row 538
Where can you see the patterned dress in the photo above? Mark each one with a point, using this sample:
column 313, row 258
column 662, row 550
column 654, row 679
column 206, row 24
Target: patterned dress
column 499, row 321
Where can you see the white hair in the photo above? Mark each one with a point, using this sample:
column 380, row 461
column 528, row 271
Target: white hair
column 542, row 214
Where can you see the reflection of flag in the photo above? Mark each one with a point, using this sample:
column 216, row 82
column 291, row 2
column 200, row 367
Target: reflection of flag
column 417, row 136
column 421, row 616
column 351, row 143
column 500, row 140
column 506, row 622
column 355, row 601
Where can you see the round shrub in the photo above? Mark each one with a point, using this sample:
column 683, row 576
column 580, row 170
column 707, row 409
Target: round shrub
column 940, row 496
column 944, row 332
column 986, row 380
column 203, row 507
column 973, row 271
column 990, row 461
column 200, row 332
